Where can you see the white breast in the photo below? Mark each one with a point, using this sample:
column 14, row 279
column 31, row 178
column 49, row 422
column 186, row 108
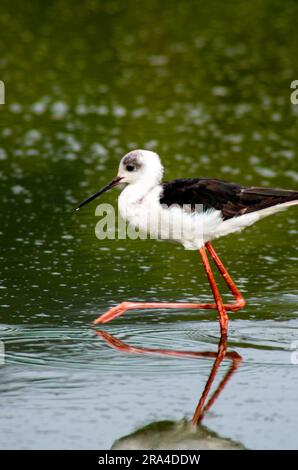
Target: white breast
column 141, row 211
column 144, row 213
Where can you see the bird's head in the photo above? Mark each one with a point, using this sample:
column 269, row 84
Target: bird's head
column 136, row 167
column 141, row 166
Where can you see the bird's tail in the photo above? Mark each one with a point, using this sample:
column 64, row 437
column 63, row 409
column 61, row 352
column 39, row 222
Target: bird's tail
column 265, row 198
column 236, row 224
column 277, row 207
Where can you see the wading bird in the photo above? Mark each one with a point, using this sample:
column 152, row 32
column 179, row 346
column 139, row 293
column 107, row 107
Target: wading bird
column 206, row 209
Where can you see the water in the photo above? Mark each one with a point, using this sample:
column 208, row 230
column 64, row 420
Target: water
column 208, row 87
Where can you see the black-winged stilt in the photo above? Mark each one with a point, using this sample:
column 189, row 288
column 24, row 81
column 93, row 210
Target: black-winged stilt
column 206, row 209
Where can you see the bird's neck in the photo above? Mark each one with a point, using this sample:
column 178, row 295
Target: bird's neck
column 135, row 192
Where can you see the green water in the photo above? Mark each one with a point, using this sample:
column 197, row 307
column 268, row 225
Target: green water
column 206, row 85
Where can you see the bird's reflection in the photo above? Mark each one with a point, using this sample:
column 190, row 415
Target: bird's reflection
column 220, row 355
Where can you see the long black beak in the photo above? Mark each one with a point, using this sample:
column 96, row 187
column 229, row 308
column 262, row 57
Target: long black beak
column 113, row 183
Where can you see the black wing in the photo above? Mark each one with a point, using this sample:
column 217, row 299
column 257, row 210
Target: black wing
column 230, row 198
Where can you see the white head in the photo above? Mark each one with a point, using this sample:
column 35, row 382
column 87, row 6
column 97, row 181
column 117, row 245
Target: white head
column 136, row 167
column 140, row 166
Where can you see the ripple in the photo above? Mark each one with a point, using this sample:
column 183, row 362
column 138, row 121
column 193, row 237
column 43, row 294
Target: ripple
column 80, row 348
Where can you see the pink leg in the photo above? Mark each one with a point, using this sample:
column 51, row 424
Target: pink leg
column 239, row 300
column 119, row 309
column 222, row 314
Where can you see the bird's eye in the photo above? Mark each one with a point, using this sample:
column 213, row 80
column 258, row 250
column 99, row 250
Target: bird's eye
column 130, row 167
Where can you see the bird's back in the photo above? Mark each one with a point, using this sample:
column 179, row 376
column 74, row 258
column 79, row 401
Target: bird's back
column 230, row 198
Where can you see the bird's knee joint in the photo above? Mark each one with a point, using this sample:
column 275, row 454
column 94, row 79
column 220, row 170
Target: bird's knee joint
column 126, row 305
column 240, row 303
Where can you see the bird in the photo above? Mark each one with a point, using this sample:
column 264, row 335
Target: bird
column 192, row 212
